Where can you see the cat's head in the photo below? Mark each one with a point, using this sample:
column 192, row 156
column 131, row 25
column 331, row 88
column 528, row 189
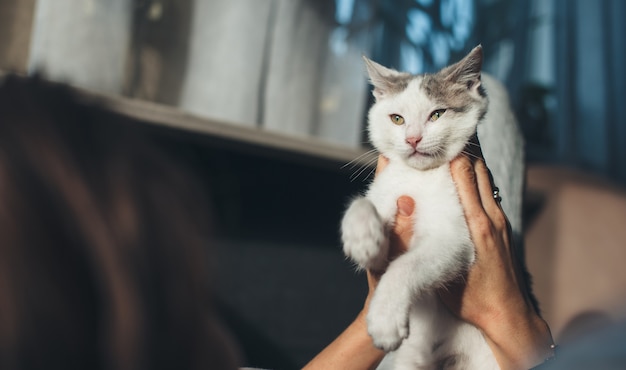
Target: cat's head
column 426, row 120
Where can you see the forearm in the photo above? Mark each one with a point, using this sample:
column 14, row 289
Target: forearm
column 352, row 349
column 521, row 342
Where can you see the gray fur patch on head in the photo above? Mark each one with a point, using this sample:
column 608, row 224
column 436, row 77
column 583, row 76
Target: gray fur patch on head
column 386, row 81
column 448, row 93
column 458, row 86
column 398, row 83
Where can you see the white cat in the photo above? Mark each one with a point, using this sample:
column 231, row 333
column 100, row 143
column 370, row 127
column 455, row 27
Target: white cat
column 420, row 123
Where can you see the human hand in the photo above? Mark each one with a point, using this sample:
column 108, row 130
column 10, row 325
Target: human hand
column 496, row 280
column 494, row 295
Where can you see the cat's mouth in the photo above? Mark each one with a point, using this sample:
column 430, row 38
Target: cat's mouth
column 419, row 153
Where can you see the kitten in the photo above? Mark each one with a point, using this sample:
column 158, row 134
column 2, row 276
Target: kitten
column 420, row 123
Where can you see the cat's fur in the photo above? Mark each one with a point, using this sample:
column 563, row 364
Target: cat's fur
column 405, row 315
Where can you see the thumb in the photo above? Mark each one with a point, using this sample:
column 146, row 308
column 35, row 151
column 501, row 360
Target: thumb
column 406, row 206
column 403, row 227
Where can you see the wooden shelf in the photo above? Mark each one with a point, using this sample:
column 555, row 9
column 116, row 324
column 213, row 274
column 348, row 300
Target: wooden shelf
column 235, row 136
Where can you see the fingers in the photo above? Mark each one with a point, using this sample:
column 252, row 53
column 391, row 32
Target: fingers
column 475, row 187
column 382, row 163
column 403, row 227
column 464, row 176
column 485, row 189
column 484, row 181
column 476, row 171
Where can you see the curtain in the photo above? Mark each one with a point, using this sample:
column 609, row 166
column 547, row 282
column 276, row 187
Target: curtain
column 563, row 63
column 267, row 64
column 590, row 129
column 83, row 42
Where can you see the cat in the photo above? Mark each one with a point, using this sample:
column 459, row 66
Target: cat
column 420, row 123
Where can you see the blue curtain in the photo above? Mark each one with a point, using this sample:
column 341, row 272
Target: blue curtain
column 563, row 61
column 590, row 128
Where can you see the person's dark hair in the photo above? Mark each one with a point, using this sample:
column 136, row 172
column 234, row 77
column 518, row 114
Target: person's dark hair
column 103, row 242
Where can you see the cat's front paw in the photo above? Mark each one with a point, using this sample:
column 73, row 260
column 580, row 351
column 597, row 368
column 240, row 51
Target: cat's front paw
column 387, row 322
column 363, row 235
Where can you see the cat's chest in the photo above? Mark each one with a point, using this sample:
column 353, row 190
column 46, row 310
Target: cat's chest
column 433, row 191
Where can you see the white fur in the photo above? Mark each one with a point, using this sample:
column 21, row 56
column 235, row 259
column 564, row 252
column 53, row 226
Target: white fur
column 405, row 317
column 503, row 148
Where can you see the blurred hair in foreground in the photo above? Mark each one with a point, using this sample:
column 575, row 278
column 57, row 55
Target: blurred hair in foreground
column 103, row 242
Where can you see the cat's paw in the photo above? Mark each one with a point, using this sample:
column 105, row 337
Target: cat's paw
column 387, row 323
column 364, row 236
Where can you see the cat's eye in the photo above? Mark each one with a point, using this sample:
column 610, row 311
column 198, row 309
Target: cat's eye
column 437, row 114
column 397, row 119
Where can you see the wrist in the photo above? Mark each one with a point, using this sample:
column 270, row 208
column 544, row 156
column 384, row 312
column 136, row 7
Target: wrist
column 520, row 341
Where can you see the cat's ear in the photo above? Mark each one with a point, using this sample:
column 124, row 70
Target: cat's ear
column 467, row 71
column 386, row 81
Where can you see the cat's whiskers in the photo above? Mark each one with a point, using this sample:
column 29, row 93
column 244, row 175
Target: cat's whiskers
column 473, row 146
column 439, row 155
column 371, row 172
column 362, row 163
column 470, row 155
column 353, row 163
column 364, row 167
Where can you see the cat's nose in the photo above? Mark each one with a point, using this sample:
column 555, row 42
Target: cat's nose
column 413, row 140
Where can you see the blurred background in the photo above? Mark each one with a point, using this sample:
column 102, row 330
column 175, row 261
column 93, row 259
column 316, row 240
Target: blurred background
column 267, row 99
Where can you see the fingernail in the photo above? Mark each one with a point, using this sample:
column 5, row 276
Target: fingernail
column 406, row 206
